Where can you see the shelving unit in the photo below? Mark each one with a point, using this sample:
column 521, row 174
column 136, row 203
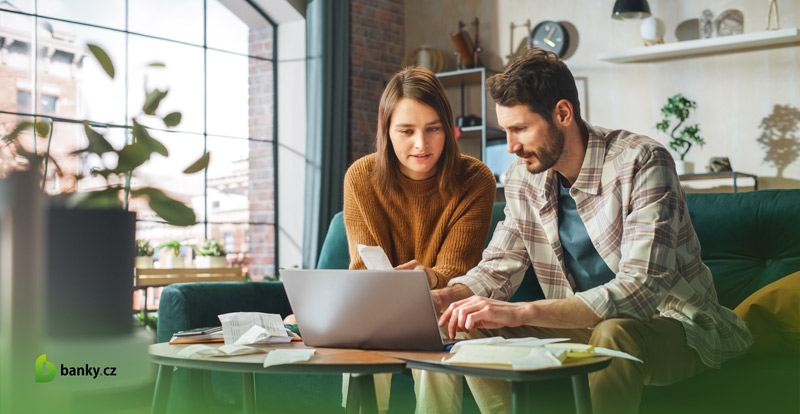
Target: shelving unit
column 702, row 47
column 473, row 138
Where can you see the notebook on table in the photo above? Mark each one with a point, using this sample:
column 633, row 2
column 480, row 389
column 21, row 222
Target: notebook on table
column 367, row 309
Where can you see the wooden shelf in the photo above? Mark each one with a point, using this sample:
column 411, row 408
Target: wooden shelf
column 701, row 47
column 163, row 277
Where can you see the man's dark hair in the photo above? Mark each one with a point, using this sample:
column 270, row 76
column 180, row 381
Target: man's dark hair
column 537, row 79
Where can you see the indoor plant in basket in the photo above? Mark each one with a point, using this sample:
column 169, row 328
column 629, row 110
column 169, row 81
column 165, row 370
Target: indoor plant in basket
column 679, row 108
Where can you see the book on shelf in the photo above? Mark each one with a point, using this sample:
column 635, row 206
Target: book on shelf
column 199, row 335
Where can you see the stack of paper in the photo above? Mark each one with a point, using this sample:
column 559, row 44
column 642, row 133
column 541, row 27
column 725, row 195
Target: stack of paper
column 525, row 353
column 246, row 328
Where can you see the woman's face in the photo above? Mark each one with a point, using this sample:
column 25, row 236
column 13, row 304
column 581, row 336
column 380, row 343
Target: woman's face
column 417, row 137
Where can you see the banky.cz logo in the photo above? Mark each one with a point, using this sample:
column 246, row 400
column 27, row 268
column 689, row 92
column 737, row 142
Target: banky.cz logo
column 45, row 371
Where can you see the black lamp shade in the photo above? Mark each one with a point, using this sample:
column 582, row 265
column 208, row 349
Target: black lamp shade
column 631, row 9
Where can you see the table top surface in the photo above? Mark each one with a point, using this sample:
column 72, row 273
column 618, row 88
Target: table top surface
column 337, row 360
column 324, row 361
column 434, row 361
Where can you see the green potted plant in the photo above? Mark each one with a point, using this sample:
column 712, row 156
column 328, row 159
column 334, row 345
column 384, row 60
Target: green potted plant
column 173, row 259
column 78, row 221
column 682, row 140
column 210, row 254
column 144, row 254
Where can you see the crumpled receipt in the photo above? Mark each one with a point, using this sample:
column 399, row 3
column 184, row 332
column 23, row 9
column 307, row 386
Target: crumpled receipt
column 205, row 351
column 287, row 356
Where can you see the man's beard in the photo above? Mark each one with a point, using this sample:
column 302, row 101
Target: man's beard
column 548, row 154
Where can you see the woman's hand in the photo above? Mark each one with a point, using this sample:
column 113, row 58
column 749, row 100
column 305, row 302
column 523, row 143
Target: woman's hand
column 415, row 265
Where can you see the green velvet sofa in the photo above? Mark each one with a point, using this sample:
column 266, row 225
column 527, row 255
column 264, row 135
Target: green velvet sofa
column 749, row 241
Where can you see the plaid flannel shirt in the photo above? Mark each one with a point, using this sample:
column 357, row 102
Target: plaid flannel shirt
column 630, row 199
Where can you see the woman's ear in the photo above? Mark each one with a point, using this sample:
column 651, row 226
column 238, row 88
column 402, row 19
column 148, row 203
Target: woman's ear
column 562, row 114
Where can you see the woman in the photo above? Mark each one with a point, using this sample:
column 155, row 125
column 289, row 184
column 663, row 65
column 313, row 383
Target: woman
column 426, row 205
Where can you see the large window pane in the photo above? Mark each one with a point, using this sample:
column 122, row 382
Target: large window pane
column 182, row 76
column 252, row 247
column 107, row 13
column 16, row 65
column 228, row 186
column 240, row 91
column 236, row 27
column 180, row 20
column 166, row 173
column 71, row 83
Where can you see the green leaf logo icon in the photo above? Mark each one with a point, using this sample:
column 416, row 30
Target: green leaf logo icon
column 41, row 366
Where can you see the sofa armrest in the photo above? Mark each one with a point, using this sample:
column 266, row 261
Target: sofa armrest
column 195, row 305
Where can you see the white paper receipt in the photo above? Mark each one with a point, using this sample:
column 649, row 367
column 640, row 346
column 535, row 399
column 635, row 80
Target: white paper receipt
column 374, row 257
column 287, row 356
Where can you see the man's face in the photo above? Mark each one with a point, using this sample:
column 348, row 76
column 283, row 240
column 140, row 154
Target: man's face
column 531, row 137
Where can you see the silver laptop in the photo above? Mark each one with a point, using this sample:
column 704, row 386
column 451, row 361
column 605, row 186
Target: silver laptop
column 367, row 309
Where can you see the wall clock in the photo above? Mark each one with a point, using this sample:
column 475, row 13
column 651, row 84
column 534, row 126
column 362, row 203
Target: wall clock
column 550, row 35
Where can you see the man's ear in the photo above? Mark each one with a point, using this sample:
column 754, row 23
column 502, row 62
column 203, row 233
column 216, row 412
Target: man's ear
column 562, row 114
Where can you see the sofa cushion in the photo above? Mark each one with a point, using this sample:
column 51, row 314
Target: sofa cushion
column 773, row 316
column 749, row 239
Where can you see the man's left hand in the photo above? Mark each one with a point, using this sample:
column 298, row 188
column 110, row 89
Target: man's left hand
column 479, row 312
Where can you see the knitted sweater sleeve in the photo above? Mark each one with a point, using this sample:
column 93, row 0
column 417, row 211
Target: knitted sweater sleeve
column 469, row 226
column 354, row 220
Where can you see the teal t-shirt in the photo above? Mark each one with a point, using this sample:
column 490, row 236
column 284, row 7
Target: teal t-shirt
column 584, row 263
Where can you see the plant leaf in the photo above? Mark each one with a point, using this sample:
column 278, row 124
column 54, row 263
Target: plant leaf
column 130, row 157
column 199, row 165
column 97, row 142
column 142, row 136
column 105, row 198
column 103, row 59
column 172, row 211
column 172, row 119
column 43, row 127
column 152, row 101
column 12, row 136
column 157, row 65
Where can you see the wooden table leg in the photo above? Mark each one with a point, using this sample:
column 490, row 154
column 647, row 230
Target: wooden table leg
column 161, row 394
column 580, row 390
column 520, row 400
column 249, row 392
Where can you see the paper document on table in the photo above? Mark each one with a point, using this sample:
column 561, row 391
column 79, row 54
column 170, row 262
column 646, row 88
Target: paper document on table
column 374, row 257
column 236, row 324
column 204, row 351
column 518, row 357
column 287, row 356
column 610, row 352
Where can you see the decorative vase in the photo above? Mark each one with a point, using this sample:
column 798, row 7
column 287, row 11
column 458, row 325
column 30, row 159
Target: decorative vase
column 144, row 262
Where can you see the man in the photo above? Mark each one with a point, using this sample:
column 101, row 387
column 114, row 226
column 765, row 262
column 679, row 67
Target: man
column 602, row 218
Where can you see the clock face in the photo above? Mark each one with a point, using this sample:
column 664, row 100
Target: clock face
column 550, row 36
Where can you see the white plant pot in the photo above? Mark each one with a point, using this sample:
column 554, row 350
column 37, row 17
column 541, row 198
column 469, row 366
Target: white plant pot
column 684, row 167
column 174, row 262
column 210, row 262
column 144, row 262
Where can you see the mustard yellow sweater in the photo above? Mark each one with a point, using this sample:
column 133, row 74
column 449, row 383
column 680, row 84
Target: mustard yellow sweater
column 446, row 235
